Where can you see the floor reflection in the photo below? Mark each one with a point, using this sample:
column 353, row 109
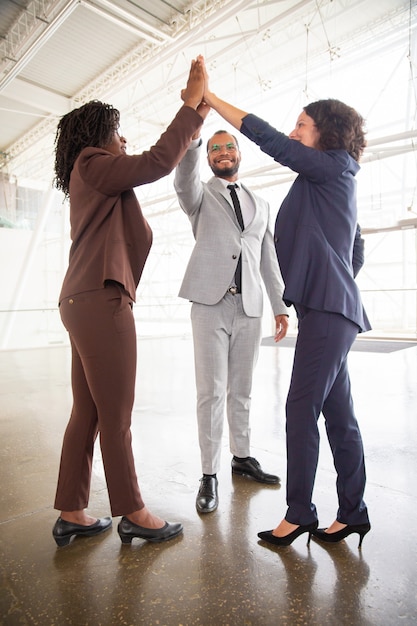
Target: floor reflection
column 218, row 573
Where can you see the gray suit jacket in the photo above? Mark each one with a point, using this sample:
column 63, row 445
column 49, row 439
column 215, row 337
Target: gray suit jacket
column 220, row 241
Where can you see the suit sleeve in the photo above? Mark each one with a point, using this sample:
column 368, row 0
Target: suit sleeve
column 111, row 175
column 358, row 251
column 187, row 181
column 271, row 274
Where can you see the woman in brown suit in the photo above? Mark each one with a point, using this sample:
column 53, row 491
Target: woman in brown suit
column 110, row 243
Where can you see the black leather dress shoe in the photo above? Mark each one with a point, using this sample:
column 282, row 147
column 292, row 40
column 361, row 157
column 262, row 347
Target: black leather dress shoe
column 128, row 530
column 207, row 498
column 252, row 469
column 63, row 531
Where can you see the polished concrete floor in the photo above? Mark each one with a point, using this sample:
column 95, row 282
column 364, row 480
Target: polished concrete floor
column 218, row 573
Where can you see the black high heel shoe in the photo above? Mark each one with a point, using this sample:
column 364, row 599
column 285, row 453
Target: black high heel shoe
column 63, row 531
column 267, row 535
column 128, row 530
column 361, row 529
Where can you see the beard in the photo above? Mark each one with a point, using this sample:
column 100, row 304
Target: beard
column 223, row 172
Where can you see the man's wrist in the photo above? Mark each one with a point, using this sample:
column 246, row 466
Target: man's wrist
column 195, row 142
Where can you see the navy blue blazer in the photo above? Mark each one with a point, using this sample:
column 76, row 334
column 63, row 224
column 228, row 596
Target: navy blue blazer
column 316, row 225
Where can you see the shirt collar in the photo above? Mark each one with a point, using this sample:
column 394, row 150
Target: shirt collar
column 227, row 182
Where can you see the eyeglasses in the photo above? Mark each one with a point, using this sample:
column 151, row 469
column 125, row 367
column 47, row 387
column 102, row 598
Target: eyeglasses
column 216, row 147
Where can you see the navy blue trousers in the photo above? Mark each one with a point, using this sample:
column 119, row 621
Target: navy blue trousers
column 320, row 384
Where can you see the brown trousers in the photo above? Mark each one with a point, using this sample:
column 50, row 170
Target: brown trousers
column 103, row 341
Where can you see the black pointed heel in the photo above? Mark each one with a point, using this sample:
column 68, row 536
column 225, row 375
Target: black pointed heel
column 287, row 540
column 128, row 530
column 361, row 529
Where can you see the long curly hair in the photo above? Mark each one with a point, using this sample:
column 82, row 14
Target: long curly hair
column 91, row 125
column 339, row 125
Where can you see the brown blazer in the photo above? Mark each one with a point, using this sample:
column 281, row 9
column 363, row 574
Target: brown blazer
column 110, row 236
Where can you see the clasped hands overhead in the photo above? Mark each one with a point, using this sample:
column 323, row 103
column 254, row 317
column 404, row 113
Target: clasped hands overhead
column 196, row 94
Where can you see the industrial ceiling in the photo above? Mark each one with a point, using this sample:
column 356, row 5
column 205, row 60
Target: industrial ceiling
column 268, row 56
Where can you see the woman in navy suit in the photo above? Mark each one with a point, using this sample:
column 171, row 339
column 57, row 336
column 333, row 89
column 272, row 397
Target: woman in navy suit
column 315, row 234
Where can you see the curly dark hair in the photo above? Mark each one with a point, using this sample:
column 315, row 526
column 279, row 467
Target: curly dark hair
column 91, row 125
column 339, row 125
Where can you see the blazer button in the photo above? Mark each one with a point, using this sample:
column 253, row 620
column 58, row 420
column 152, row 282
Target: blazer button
column 234, row 256
column 71, row 301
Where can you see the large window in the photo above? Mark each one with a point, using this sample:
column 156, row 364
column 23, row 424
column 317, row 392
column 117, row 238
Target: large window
column 271, row 67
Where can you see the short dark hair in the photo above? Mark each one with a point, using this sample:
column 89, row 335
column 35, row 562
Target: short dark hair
column 221, row 132
column 91, row 125
column 339, row 125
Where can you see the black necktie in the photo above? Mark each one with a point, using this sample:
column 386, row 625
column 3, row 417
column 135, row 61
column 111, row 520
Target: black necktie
column 238, row 211
column 236, row 205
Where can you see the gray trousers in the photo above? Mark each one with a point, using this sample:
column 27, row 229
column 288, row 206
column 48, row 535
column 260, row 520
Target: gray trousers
column 226, row 347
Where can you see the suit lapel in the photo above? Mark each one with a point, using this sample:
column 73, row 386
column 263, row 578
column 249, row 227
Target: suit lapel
column 217, row 187
column 255, row 203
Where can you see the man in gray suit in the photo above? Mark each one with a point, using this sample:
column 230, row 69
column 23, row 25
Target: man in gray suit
column 227, row 302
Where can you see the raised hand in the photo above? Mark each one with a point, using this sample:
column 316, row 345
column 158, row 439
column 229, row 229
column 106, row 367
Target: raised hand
column 202, row 62
column 192, row 95
column 230, row 113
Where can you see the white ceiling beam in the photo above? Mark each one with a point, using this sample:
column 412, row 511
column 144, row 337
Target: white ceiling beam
column 38, row 43
column 36, row 97
column 204, row 18
column 126, row 21
column 28, row 24
column 125, row 16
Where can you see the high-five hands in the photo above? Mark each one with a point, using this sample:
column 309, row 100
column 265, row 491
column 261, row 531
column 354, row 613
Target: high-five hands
column 193, row 93
column 230, row 113
column 198, row 95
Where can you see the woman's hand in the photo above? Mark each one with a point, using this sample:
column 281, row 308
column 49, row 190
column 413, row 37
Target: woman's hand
column 192, row 95
column 207, row 94
column 230, row 113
